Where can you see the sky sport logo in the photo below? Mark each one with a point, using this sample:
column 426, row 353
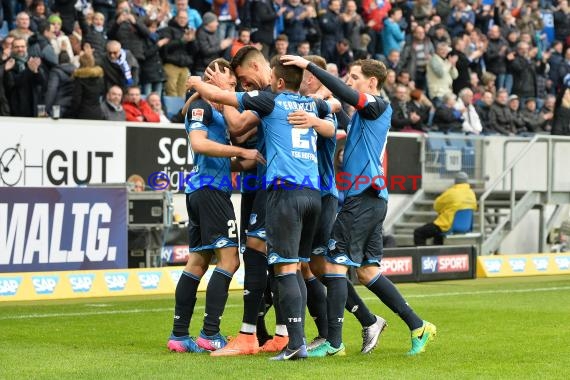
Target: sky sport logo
column 344, row 182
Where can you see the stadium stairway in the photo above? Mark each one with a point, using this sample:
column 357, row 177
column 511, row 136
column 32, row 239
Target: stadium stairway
column 496, row 225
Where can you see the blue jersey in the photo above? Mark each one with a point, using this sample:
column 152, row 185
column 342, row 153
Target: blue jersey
column 325, row 154
column 365, row 145
column 291, row 153
column 213, row 172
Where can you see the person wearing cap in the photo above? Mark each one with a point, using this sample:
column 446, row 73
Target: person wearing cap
column 59, row 41
column 518, row 122
column 210, row 46
column 459, row 196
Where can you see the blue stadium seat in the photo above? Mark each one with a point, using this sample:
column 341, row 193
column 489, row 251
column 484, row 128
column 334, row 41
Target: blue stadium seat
column 173, row 105
column 462, row 222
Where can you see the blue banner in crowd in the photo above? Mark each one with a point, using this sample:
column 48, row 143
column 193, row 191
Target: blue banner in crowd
column 55, row 229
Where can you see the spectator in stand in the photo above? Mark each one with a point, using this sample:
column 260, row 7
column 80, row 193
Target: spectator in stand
column 266, row 15
column 111, row 106
column 59, row 40
column 178, row 53
column 562, row 22
column 297, row 23
column 548, row 111
column 441, row 72
column 68, row 10
column 38, row 13
column 463, row 79
column 415, row 56
column 474, row 86
column 153, row 100
column 281, row 45
column 533, row 120
column 389, row 88
column 392, row 36
column 555, row 61
column 194, row 17
column 152, row 74
column 107, row 9
column 120, row 67
column 243, row 39
column 374, row 12
column 209, row 46
column 227, row 12
column 563, row 73
column 352, row 23
column 483, row 108
column 201, row 6
column 88, row 87
column 484, row 18
column 500, row 118
column 458, row 197
column 60, row 86
column 561, row 123
column 495, row 58
column 95, row 35
column 460, row 16
column 514, row 107
column 421, row 10
column 332, row 68
column 330, row 23
column 129, row 30
column 421, row 105
column 447, row 118
column 304, row 49
column 137, row 109
column 159, row 10
column 39, row 45
column 392, row 61
column 488, row 81
column 24, row 77
column 403, row 119
column 524, row 68
column 471, row 121
column 22, row 29
column 343, row 56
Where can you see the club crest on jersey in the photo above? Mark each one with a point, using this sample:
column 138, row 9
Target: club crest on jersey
column 198, row 114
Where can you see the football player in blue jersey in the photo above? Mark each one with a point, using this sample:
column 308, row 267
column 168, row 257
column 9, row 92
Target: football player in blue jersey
column 372, row 325
column 356, row 239
column 212, row 225
column 292, row 184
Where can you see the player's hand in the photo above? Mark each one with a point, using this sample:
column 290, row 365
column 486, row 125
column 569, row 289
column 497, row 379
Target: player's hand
column 217, row 77
column 301, row 119
column 294, row 60
column 253, row 154
column 191, row 82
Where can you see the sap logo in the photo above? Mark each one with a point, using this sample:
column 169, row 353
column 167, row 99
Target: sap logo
column 252, row 219
column 563, row 262
column 493, row 265
column 541, row 264
column 517, row 265
column 45, row 284
column 175, row 276
column 81, row 283
column 149, row 280
column 9, row 285
column 221, row 243
column 272, row 258
column 116, row 281
column 429, row 264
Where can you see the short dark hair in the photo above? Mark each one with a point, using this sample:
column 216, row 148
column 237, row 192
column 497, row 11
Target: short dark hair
column 291, row 75
column 222, row 64
column 372, row 68
column 245, row 54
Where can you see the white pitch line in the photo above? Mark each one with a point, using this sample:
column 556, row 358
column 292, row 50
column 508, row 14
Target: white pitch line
column 134, row 311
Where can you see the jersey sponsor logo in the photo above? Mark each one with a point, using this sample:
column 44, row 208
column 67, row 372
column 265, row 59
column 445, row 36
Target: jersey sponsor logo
column 81, row 283
column 540, row 263
column 517, row 265
column 396, row 265
column 149, row 280
column 44, row 284
column 198, row 114
column 9, row 285
column 493, row 265
column 116, row 281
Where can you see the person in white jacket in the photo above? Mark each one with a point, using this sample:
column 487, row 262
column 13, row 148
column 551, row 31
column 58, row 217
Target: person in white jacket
column 471, row 121
column 441, row 72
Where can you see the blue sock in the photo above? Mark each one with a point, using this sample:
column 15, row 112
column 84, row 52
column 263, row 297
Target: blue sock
column 391, row 297
column 317, row 305
column 185, row 298
column 216, row 297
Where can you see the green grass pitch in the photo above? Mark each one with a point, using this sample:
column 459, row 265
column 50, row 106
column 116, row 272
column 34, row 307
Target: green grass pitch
column 487, row 328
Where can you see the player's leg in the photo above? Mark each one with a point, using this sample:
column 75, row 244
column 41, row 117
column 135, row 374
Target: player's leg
column 369, row 274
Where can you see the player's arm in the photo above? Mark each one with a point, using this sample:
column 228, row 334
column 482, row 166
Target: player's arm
column 237, row 140
column 201, row 144
column 240, row 165
column 240, row 123
column 304, row 119
column 212, row 93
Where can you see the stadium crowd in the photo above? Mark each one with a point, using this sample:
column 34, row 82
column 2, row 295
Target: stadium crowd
column 473, row 66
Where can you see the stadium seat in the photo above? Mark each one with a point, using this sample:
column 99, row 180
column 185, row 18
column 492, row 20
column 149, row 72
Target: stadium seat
column 173, row 105
column 462, row 222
